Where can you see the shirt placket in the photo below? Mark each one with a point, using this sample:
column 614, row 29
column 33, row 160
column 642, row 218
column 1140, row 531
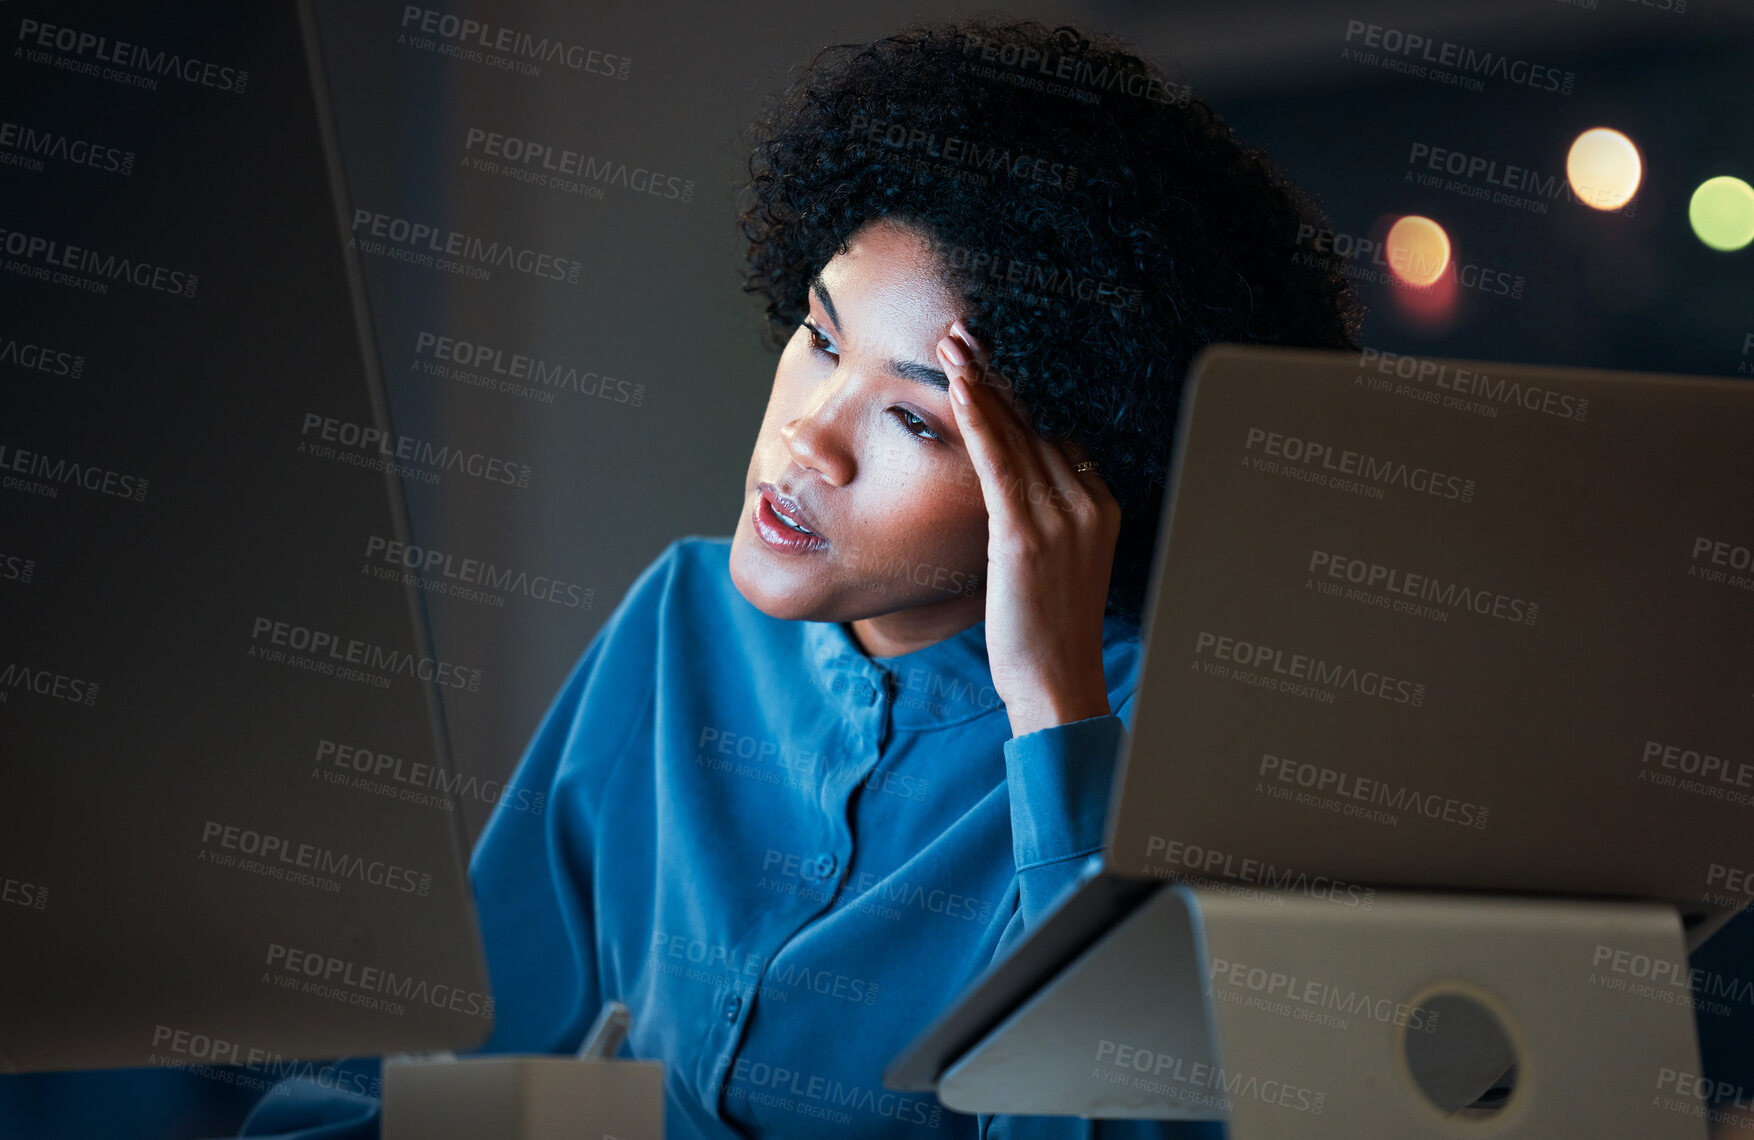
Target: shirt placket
column 860, row 690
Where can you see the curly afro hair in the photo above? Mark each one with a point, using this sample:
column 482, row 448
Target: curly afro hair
column 1100, row 225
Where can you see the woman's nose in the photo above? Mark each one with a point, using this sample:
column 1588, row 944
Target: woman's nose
column 818, row 440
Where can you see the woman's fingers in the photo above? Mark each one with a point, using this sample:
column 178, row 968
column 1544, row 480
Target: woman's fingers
column 973, row 418
column 999, row 444
column 1076, row 490
column 1050, row 550
column 1051, row 480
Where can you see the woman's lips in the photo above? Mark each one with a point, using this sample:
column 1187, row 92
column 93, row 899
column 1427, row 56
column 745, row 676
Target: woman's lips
column 790, row 508
column 775, row 532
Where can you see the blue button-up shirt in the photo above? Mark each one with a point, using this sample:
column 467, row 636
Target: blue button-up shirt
column 785, row 857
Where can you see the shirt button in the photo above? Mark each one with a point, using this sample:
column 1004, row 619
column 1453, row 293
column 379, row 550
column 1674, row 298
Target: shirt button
column 823, row 866
column 864, row 691
column 733, row 1003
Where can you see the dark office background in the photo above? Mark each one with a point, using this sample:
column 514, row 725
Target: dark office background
column 658, row 308
column 658, row 304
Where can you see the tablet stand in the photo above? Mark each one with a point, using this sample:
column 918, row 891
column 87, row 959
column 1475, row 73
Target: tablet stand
column 1292, row 1015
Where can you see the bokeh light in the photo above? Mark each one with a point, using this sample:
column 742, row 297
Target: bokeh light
column 1604, row 168
column 1418, row 250
column 1722, row 212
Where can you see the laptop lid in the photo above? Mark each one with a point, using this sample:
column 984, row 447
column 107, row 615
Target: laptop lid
column 1441, row 623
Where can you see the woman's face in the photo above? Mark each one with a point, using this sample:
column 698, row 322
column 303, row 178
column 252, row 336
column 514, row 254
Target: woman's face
column 859, row 445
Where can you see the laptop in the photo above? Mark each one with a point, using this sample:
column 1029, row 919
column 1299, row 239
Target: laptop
column 1431, row 624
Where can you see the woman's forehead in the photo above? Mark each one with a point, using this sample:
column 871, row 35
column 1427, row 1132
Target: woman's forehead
column 889, row 276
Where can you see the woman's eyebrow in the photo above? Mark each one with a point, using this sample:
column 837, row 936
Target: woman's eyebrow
column 906, row 369
column 821, row 292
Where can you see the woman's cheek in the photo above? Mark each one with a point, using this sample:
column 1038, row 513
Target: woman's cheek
column 897, row 467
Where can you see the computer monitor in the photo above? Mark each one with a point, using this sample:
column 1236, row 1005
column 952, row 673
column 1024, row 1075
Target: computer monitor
column 228, row 832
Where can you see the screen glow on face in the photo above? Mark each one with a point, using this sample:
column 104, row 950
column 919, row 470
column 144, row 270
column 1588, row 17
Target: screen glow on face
column 860, row 438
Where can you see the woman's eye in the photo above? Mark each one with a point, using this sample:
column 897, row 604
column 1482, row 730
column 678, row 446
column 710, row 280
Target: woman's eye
column 817, row 341
column 913, row 424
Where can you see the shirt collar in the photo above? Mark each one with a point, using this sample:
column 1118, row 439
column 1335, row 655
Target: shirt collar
column 945, row 683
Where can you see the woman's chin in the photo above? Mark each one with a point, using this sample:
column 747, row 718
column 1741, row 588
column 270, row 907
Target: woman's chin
column 773, row 592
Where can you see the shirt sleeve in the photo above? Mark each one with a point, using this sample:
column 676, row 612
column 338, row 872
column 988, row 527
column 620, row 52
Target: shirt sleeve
column 1060, row 780
column 533, row 874
column 1059, row 792
column 530, row 872
column 320, row 1109
column 530, row 877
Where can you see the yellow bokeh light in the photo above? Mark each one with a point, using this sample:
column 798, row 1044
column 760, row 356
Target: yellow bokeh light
column 1418, row 250
column 1604, row 168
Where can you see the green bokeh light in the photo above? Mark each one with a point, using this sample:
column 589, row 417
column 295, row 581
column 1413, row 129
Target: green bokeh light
column 1722, row 212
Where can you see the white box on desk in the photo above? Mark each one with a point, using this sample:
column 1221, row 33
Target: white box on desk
column 522, row 1097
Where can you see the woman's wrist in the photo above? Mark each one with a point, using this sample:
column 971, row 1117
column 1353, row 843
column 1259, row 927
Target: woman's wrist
column 1051, row 709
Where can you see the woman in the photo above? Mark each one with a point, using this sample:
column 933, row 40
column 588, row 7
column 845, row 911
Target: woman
column 811, row 779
